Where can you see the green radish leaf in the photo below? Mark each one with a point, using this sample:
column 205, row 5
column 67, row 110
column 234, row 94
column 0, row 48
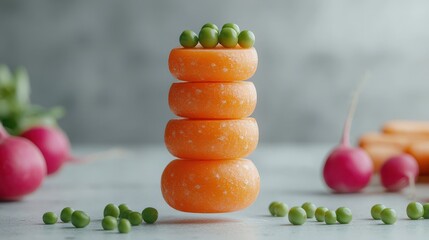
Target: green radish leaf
column 10, row 123
column 6, row 83
column 22, row 86
column 33, row 110
column 57, row 112
column 38, row 111
column 28, row 122
column 5, row 76
column 16, row 111
column 4, row 108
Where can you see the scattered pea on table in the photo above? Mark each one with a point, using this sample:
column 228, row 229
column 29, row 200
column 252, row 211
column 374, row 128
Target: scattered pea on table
column 344, row 215
column 150, row 215
column 50, row 218
column 388, row 216
column 320, row 214
column 310, row 209
column 330, row 217
column 426, row 211
column 125, row 213
column 124, row 226
column 297, row 216
column 109, row 223
column 135, row 218
column 376, row 211
column 122, row 208
column 65, row 214
column 111, row 210
column 278, row 209
column 80, row 219
column 415, row 210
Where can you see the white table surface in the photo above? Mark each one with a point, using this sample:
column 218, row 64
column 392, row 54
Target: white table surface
column 289, row 173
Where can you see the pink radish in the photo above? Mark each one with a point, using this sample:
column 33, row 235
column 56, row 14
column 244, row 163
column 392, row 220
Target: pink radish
column 53, row 144
column 399, row 172
column 348, row 169
column 22, row 167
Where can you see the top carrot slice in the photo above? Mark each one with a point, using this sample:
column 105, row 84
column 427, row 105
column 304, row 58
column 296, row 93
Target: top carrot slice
column 213, row 65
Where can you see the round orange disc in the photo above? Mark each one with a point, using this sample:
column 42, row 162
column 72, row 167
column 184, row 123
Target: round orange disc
column 212, row 100
column 213, row 186
column 213, row 65
column 211, row 139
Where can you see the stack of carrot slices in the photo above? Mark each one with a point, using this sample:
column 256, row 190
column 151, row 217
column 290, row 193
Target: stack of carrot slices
column 214, row 133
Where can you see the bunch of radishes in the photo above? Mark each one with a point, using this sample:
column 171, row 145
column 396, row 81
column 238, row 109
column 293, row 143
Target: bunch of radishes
column 349, row 169
column 39, row 147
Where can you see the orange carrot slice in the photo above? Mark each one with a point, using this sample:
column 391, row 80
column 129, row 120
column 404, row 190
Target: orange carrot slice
column 372, row 138
column 379, row 153
column 213, row 65
column 420, row 151
column 211, row 139
column 415, row 128
column 212, row 100
column 214, row 186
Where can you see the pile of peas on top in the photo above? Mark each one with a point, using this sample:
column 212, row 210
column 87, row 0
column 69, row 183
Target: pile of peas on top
column 210, row 36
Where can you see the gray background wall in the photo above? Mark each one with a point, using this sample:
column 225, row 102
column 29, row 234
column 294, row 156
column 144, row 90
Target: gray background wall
column 106, row 62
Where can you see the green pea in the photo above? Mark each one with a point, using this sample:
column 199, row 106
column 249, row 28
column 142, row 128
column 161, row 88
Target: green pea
column 376, row 210
column 124, row 226
column 122, row 208
column 109, row 223
column 309, row 208
column 232, row 25
column 330, row 217
column 344, row 215
column 246, row 39
column 415, row 210
column 65, row 214
column 188, row 39
column 426, row 211
column 278, row 209
column 271, row 208
column 388, row 216
column 228, row 37
column 50, row 218
column 320, row 214
column 297, row 216
column 210, row 25
column 208, row 37
column 111, row 210
column 135, row 218
column 80, row 219
column 125, row 214
column 150, row 215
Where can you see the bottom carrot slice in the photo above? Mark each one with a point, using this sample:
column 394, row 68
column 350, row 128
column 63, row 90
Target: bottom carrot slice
column 214, row 186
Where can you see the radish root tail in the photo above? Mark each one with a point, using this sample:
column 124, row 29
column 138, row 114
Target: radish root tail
column 110, row 153
column 345, row 140
column 412, row 185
